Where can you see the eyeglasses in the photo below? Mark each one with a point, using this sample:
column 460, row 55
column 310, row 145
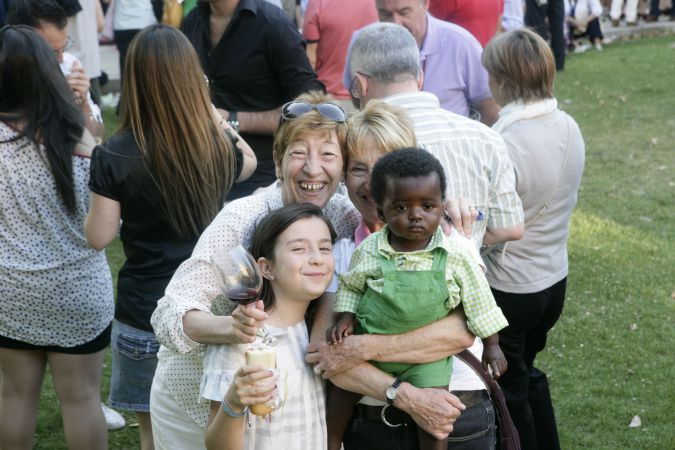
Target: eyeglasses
column 293, row 110
column 69, row 44
column 352, row 86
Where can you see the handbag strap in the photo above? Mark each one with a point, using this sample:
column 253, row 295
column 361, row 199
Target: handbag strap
column 508, row 434
column 473, row 362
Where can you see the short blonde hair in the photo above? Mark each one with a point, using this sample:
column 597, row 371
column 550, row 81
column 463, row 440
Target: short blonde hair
column 389, row 126
column 522, row 63
column 289, row 131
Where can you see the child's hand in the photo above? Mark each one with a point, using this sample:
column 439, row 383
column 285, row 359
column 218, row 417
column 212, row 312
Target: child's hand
column 344, row 326
column 252, row 385
column 494, row 358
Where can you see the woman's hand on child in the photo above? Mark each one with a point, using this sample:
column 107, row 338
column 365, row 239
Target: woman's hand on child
column 495, row 360
column 246, row 321
column 253, row 385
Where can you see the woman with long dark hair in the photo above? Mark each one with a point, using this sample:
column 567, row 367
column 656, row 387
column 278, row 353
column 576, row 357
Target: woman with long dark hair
column 56, row 299
column 166, row 174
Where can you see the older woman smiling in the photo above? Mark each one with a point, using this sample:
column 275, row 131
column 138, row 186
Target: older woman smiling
column 308, row 153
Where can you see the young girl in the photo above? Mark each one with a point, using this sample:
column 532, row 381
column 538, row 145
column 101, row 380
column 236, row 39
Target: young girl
column 293, row 247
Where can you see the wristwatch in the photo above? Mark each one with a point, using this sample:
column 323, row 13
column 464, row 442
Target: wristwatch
column 232, row 120
column 392, row 391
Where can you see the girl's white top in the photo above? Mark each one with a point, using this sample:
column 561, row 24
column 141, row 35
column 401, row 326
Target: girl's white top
column 300, row 421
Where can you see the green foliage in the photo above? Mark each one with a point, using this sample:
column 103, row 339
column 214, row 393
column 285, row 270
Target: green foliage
column 607, row 358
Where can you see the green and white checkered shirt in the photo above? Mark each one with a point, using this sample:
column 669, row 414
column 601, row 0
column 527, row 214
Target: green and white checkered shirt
column 466, row 283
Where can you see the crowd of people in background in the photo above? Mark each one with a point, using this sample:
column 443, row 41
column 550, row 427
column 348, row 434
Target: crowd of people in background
column 399, row 170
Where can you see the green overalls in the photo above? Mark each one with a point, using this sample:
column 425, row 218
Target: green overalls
column 409, row 300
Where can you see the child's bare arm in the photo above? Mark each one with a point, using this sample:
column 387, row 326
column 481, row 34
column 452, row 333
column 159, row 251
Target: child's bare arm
column 493, row 356
column 344, row 326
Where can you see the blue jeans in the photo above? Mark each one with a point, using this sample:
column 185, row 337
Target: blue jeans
column 134, row 360
column 474, row 430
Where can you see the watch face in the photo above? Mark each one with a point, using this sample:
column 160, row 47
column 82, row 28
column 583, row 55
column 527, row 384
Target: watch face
column 391, row 392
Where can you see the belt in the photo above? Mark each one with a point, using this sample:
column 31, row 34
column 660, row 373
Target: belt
column 394, row 417
column 470, row 398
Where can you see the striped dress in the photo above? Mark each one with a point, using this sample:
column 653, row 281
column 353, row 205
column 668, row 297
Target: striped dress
column 300, row 422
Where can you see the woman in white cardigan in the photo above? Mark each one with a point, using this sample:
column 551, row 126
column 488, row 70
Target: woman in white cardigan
column 528, row 277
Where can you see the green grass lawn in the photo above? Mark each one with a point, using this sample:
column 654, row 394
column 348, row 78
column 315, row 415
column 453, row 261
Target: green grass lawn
column 607, row 358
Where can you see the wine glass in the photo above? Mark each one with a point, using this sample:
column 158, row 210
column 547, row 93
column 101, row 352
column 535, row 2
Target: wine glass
column 240, row 280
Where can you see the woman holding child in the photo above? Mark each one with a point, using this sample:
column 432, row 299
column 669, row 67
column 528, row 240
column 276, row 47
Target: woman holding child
column 373, row 133
column 308, row 152
column 528, row 277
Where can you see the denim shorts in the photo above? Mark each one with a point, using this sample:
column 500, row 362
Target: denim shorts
column 134, row 359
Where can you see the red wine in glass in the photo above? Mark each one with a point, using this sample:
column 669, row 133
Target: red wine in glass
column 239, row 279
column 242, row 295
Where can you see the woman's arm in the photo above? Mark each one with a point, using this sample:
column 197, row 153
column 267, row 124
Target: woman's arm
column 102, row 222
column 435, row 410
column 239, row 328
column 250, row 160
column 438, row 340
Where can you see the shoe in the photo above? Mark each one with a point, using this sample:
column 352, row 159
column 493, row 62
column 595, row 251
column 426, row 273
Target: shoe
column 110, row 100
column 581, row 48
column 615, row 23
column 631, row 24
column 114, row 419
column 651, row 18
column 597, row 46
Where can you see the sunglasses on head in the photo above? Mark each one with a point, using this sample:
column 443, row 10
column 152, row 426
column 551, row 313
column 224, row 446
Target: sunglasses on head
column 293, row 110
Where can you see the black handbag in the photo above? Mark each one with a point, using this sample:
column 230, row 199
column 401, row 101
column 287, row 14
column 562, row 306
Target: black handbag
column 507, row 434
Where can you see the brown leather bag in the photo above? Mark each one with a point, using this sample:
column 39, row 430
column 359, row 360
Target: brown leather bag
column 507, row 434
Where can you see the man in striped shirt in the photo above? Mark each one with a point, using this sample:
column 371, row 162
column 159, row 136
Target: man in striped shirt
column 384, row 64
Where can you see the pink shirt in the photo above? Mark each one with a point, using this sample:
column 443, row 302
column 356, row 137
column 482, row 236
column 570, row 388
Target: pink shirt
column 480, row 18
column 330, row 23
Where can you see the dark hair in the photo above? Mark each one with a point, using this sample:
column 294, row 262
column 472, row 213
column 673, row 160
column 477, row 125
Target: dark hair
column 33, row 90
column 32, row 12
column 268, row 230
column 404, row 163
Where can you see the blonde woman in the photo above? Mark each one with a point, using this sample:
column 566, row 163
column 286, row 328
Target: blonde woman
column 529, row 277
column 166, row 174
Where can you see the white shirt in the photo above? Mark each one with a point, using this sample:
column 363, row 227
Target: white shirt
column 82, row 28
column 537, row 147
column 68, row 61
column 299, row 423
column 54, row 288
column 133, row 14
column 194, row 286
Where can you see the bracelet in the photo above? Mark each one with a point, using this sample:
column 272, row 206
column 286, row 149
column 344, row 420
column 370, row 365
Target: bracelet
column 230, row 412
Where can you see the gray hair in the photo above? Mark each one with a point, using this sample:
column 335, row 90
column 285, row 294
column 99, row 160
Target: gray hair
column 386, row 52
